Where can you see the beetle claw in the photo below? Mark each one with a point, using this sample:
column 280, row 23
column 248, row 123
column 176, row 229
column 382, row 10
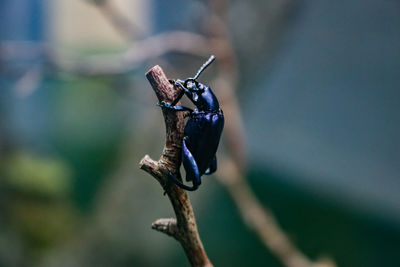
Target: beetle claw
column 164, row 104
column 166, row 185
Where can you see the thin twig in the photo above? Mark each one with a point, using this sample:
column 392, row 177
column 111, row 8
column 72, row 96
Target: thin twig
column 184, row 229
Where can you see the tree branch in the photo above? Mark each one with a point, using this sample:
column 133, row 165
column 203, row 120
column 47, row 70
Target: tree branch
column 184, row 229
column 167, row 226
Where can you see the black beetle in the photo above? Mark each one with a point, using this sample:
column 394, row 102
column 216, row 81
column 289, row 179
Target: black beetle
column 202, row 131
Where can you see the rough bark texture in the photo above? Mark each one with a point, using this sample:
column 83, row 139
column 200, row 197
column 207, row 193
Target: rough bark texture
column 184, row 228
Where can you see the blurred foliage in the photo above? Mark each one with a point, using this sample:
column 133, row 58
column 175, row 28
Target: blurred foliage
column 77, row 123
column 88, row 124
column 43, row 177
column 43, row 225
column 35, row 201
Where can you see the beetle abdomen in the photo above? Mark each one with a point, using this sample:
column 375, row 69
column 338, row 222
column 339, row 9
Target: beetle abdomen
column 203, row 133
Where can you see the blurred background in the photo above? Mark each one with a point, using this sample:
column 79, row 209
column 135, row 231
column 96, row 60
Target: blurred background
column 317, row 84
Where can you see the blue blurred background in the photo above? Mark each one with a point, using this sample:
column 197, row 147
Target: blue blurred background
column 319, row 90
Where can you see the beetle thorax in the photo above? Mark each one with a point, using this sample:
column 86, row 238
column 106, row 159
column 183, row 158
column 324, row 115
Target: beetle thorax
column 205, row 100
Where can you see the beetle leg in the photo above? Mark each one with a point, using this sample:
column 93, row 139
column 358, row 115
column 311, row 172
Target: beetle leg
column 172, row 178
column 181, row 108
column 176, row 108
column 181, row 93
column 191, row 168
column 213, row 167
column 190, row 165
column 179, row 83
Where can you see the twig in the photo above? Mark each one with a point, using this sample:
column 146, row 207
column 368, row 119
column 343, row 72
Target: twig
column 184, row 228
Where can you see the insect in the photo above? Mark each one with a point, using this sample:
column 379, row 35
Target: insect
column 202, row 131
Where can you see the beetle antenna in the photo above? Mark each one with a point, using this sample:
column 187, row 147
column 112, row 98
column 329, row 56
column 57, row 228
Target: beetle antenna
column 205, row 65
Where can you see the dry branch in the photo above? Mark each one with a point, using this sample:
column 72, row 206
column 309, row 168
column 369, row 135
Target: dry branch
column 184, row 228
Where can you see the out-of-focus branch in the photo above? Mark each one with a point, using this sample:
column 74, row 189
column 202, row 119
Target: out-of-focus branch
column 121, row 23
column 29, row 81
column 261, row 220
column 139, row 52
column 226, row 82
column 257, row 218
column 184, row 228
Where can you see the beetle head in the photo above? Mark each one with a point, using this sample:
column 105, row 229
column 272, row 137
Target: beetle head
column 191, row 83
column 193, row 86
